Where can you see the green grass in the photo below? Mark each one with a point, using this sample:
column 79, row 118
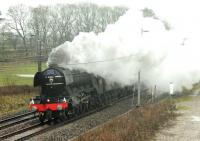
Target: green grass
column 183, row 99
column 9, row 71
column 180, row 107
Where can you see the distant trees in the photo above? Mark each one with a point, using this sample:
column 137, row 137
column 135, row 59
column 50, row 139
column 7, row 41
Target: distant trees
column 39, row 25
column 0, row 15
column 3, row 40
column 53, row 25
column 148, row 13
column 66, row 22
column 18, row 19
column 69, row 20
column 3, row 36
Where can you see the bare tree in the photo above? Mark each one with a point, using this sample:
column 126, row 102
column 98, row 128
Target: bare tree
column 94, row 18
column 13, row 40
column 4, row 36
column 117, row 12
column 39, row 24
column 0, row 17
column 18, row 17
column 66, row 20
column 57, row 24
column 87, row 17
column 54, row 27
column 103, row 18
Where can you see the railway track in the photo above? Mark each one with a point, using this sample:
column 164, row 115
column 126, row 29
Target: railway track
column 15, row 117
column 12, row 134
column 12, row 121
column 10, row 124
column 38, row 128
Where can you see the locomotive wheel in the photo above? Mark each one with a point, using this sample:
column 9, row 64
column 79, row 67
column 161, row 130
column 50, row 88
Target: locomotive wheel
column 80, row 108
column 48, row 115
column 86, row 107
column 66, row 113
column 105, row 100
column 76, row 111
column 62, row 115
column 41, row 117
column 109, row 99
column 99, row 101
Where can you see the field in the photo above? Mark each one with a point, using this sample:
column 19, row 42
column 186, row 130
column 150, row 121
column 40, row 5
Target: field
column 9, row 72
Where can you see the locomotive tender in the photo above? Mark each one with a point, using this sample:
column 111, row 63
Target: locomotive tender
column 65, row 93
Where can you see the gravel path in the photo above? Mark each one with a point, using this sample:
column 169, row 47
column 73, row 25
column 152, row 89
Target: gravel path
column 78, row 127
column 187, row 126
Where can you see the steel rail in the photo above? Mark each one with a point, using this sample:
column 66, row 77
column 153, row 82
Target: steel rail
column 20, row 131
column 17, row 122
column 15, row 117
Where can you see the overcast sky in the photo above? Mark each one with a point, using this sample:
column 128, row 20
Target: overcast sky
column 5, row 4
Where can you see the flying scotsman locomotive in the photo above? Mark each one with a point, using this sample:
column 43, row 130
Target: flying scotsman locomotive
column 65, row 93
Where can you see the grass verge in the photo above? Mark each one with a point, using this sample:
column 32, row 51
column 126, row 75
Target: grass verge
column 139, row 124
column 181, row 107
column 15, row 98
column 184, row 98
column 14, row 103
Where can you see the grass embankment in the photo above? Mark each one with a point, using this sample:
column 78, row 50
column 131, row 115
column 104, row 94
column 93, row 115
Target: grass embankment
column 139, row 124
column 15, row 98
column 9, row 71
column 183, row 98
column 16, row 91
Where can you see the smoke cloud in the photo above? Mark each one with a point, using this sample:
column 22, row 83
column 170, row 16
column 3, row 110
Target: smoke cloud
column 164, row 47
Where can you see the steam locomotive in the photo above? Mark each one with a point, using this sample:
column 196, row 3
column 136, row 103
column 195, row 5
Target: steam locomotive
column 65, row 93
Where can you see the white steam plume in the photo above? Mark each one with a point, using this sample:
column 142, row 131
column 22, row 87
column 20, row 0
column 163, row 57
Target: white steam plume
column 136, row 43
